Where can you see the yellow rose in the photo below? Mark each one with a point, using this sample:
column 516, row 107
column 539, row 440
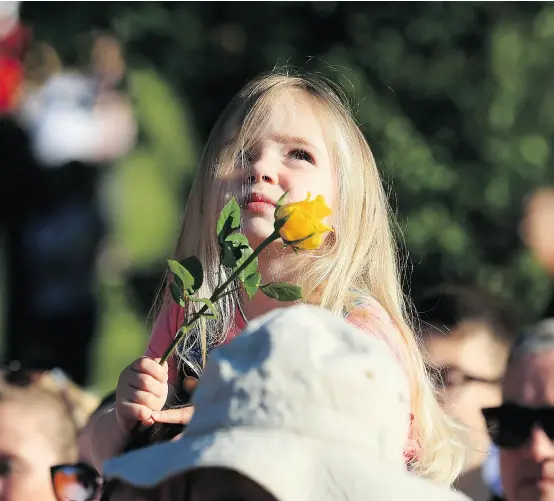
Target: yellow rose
column 304, row 228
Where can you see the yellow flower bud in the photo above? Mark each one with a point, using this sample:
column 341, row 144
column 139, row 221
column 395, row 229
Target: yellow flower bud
column 304, row 228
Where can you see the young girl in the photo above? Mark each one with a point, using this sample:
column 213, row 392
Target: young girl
column 285, row 133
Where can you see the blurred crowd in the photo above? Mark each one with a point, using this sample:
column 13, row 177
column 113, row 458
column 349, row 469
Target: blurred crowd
column 60, row 129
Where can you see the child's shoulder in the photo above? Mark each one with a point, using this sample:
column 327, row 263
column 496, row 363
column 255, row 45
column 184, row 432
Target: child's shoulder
column 368, row 313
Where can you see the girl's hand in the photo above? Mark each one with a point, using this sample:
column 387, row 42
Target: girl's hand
column 181, row 415
column 141, row 391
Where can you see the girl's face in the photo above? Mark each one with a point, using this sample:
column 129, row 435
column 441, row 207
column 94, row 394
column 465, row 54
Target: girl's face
column 291, row 156
column 26, row 455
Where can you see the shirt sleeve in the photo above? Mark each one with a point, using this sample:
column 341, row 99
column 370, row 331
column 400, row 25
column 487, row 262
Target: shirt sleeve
column 373, row 319
column 162, row 336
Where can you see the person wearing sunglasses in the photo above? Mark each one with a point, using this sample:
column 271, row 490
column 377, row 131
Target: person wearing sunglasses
column 523, row 425
column 38, row 441
column 467, row 334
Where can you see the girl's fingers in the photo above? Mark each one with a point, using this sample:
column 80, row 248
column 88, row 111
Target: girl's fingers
column 151, row 367
column 145, row 398
column 148, row 422
column 147, row 383
column 182, row 415
column 137, row 412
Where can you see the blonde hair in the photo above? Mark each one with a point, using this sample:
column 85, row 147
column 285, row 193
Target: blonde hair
column 80, row 404
column 58, row 427
column 363, row 267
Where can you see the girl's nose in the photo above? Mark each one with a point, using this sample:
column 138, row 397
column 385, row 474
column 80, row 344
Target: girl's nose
column 263, row 170
column 252, row 179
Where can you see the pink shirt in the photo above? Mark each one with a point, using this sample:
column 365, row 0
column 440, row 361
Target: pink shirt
column 370, row 317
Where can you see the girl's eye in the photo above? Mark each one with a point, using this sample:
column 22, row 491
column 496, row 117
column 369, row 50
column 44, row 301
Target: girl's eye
column 300, row 154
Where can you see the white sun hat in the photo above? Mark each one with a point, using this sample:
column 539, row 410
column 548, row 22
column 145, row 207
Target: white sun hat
column 304, row 404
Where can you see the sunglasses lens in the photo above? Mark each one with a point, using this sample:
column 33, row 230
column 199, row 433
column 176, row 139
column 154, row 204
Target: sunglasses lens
column 75, row 483
column 17, row 376
column 547, row 423
column 509, row 427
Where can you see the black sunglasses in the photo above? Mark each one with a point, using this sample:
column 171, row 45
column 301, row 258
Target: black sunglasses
column 75, row 482
column 15, row 375
column 510, row 424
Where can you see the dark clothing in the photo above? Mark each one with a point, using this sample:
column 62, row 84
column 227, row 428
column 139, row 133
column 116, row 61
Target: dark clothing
column 53, row 228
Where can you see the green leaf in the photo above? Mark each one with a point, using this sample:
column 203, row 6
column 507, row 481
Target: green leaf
column 280, row 202
column 252, row 283
column 232, row 250
column 179, row 283
column 251, row 268
column 176, row 294
column 279, row 223
column 188, row 272
column 282, row 291
column 182, row 273
column 229, row 220
column 294, row 243
column 238, row 240
column 229, row 254
column 282, row 199
column 208, row 303
column 193, row 265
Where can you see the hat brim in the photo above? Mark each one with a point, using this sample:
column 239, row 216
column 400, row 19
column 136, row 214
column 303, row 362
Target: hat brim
column 289, row 466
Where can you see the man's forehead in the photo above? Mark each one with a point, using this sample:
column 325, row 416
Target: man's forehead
column 529, row 379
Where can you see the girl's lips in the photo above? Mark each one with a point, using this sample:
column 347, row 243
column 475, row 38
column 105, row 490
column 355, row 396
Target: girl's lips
column 258, row 203
column 260, row 198
column 259, row 207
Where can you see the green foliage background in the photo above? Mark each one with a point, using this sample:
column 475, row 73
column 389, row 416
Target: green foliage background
column 456, row 100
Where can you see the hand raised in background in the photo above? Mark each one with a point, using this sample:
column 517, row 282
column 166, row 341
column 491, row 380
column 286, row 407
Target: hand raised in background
column 538, row 227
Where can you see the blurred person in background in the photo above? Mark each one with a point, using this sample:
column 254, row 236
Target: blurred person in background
column 538, row 227
column 467, row 334
column 65, row 126
column 40, row 418
column 523, row 425
column 14, row 39
column 538, row 233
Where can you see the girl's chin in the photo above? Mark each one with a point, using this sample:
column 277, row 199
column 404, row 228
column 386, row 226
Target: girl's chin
column 257, row 229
